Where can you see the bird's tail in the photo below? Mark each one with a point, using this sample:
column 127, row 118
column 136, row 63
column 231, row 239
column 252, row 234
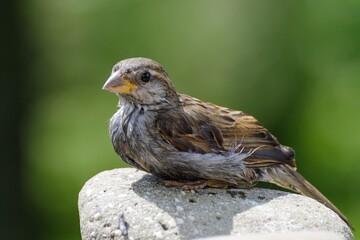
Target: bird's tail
column 284, row 176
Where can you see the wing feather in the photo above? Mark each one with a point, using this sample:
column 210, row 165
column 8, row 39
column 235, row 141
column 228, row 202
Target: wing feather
column 208, row 128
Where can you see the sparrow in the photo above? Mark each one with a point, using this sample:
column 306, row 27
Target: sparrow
column 194, row 144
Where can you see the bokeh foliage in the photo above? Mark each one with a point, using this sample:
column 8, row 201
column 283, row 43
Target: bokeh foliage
column 295, row 65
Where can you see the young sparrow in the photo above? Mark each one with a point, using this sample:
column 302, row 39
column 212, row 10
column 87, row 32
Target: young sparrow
column 194, row 144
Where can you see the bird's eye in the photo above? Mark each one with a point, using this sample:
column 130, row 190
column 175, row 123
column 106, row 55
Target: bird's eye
column 145, row 77
column 116, row 68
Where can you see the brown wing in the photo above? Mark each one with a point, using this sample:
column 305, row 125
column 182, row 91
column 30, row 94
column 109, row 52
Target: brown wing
column 208, row 128
column 190, row 132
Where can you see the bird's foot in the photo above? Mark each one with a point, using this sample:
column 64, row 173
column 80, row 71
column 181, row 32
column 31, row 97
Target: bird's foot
column 193, row 185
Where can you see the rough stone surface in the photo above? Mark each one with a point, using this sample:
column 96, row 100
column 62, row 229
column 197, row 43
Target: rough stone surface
column 129, row 204
column 281, row 236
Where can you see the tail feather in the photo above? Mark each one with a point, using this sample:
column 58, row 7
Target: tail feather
column 284, row 176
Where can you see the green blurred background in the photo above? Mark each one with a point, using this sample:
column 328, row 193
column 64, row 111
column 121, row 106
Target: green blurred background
column 295, row 65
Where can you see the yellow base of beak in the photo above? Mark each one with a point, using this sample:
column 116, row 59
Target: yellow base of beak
column 125, row 88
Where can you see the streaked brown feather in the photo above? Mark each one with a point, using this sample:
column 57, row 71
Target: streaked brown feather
column 215, row 129
column 190, row 134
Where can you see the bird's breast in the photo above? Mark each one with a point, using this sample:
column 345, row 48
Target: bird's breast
column 130, row 130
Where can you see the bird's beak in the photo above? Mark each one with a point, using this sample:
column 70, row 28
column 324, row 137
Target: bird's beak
column 119, row 83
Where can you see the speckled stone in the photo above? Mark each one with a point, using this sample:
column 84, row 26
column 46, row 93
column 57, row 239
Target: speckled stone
column 129, row 204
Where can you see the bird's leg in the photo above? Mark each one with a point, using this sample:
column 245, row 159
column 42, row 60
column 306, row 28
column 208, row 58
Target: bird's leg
column 243, row 184
column 198, row 184
column 185, row 185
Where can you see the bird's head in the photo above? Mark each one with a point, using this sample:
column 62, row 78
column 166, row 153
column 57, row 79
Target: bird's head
column 141, row 81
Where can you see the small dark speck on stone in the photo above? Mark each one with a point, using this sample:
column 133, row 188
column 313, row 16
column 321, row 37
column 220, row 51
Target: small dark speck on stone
column 218, row 217
column 261, row 197
column 211, row 193
column 192, row 200
column 164, row 226
column 235, row 194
